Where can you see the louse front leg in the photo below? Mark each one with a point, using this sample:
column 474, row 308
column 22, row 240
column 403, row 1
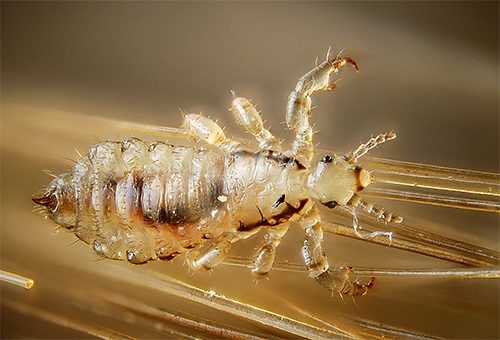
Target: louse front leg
column 211, row 253
column 200, row 127
column 299, row 104
column 336, row 280
column 265, row 256
column 246, row 114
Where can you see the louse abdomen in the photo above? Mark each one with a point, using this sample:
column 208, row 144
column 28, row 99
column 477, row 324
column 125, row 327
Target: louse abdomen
column 139, row 202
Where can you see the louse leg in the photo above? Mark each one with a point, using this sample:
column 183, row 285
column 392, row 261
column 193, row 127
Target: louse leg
column 356, row 201
column 363, row 234
column 336, row 280
column 246, row 114
column 354, row 155
column 213, row 252
column 265, row 256
column 200, row 127
column 299, row 104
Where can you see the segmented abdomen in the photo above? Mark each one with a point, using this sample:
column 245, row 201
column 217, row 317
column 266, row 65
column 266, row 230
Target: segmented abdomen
column 140, row 202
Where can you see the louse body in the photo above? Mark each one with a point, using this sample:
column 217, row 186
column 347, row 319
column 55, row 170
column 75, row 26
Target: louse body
column 138, row 202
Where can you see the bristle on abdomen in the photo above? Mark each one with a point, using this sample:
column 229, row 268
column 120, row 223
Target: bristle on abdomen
column 135, row 201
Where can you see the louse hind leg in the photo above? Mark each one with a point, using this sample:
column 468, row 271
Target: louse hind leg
column 265, row 256
column 246, row 114
column 200, row 127
column 211, row 253
column 336, row 280
column 299, row 104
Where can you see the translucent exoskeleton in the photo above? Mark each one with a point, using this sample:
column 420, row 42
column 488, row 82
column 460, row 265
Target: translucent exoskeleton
column 140, row 202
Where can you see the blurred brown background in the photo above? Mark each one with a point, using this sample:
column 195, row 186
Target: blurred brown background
column 429, row 72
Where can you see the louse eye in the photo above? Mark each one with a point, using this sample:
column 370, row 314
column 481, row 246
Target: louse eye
column 49, row 201
column 327, row 159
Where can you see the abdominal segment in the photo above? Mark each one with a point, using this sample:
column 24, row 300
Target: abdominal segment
column 141, row 202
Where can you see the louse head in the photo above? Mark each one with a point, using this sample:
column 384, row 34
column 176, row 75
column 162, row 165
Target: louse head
column 58, row 201
column 333, row 181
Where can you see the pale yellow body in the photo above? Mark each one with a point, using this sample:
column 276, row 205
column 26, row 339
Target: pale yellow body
column 140, row 202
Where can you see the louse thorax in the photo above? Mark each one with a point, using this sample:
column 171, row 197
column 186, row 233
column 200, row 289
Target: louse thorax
column 333, row 181
column 266, row 188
